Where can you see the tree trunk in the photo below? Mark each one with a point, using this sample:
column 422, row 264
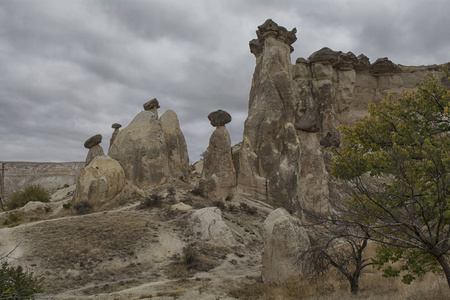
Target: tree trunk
column 446, row 267
column 354, row 285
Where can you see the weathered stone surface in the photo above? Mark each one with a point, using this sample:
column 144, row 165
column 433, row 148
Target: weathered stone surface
column 177, row 152
column 346, row 61
column 207, row 222
column 92, row 141
column 382, row 66
column 219, row 118
column 181, row 206
column 362, row 63
column 324, row 55
column 94, row 151
column 330, row 140
column 141, row 150
column 218, row 168
column 284, row 238
column 270, row 144
column 100, row 181
column 116, row 125
column 309, row 122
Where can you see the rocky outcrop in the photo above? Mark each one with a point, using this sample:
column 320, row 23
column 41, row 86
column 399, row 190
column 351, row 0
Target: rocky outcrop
column 284, row 239
column 93, row 144
column 270, row 147
column 141, row 150
column 152, row 106
column 100, row 181
column 219, row 118
column 207, row 223
column 218, row 169
column 177, row 152
column 116, row 127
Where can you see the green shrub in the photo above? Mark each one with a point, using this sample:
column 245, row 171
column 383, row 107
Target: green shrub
column 12, row 220
column 248, row 209
column 190, row 255
column 67, row 206
column 17, row 284
column 152, row 201
column 83, row 207
column 220, row 204
column 30, row 193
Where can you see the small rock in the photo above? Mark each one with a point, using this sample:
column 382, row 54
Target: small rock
column 92, row 141
column 151, row 104
column 219, row 118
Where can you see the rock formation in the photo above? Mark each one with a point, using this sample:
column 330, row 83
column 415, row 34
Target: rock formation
column 284, row 238
column 207, row 222
column 294, row 112
column 141, row 149
column 101, row 180
column 152, row 106
column 116, row 127
column 93, row 144
column 218, row 170
column 177, row 152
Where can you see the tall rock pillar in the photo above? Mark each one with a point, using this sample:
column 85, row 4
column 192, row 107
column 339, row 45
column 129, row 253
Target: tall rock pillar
column 270, row 148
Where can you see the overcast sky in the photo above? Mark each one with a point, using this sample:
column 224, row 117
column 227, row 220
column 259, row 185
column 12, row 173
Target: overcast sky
column 70, row 68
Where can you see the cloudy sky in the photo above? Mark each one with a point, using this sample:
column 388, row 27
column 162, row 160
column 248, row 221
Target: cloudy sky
column 71, row 68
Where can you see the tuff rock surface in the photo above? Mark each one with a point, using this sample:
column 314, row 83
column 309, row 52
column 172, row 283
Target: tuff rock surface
column 218, row 169
column 208, row 223
column 284, row 238
column 177, row 152
column 93, row 152
column 100, row 181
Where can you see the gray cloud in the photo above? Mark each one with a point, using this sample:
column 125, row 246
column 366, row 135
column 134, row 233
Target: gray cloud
column 69, row 69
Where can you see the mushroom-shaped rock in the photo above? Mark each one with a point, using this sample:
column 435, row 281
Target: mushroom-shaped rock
column 208, row 223
column 269, row 28
column 324, row 55
column 346, row 61
column 284, row 238
column 176, row 145
column 151, row 104
column 116, row 127
column 95, row 151
column 219, row 118
column 363, row 62
column 92, row 141
column 100, row 181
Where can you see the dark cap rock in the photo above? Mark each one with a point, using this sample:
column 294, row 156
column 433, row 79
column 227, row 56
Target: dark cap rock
column 382, row 66
column 92, row 141
column 324, row 55
column 151, row 104
column 219, row 118
column 116, row 125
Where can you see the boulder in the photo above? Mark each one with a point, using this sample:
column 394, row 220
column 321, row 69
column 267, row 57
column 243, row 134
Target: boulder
column 284, row 238
column 100, row 181
column 219, row 118
column 94, row 151
column 92, row 141
column 141, row 150
column 218, row 168
column 207, row 223
column 177, row 152
column 149, row 105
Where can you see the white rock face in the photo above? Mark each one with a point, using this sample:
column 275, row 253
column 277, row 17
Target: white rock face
column 208, row 222
column 100, row 181
column 177, row 152
column 218, row 168
column 141, row 150
column 284, row 237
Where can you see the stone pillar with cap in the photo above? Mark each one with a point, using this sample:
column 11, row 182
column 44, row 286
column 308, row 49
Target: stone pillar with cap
column 152, row 106
column 93, row 144
column 116, row 127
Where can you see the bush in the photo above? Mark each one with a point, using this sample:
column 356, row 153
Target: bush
column 12, row 220
column 248, row 209
column 219, row 204
column 190, row 255
column 17, row 284
column 83, row 207
column 30, row 193
column 152, row 201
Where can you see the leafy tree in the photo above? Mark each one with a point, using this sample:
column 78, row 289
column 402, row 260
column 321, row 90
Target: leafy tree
column 15, row 283
column 395, row 164
column 30, row 193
